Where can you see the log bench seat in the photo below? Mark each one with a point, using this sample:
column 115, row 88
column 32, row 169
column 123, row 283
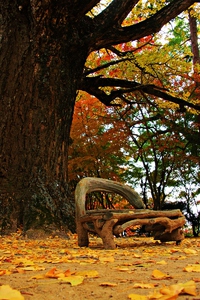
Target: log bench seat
column 164, row 225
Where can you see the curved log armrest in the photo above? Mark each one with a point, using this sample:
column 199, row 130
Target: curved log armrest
column 90, row 184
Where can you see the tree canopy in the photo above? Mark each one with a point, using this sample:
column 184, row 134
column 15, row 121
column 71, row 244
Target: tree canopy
column 119, row 66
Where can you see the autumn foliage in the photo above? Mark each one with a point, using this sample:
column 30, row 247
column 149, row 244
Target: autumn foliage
column 140, row 124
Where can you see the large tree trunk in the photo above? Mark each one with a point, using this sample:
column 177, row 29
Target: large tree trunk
column 41, row 62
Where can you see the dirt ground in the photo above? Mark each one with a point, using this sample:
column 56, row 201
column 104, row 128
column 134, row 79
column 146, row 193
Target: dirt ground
column 33, row 267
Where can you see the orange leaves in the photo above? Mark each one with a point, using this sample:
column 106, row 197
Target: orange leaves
column 52, row 273
column 109, row 284
column 97, row 140
column 74, row 278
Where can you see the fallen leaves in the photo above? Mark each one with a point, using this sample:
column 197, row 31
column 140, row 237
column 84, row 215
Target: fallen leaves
column 7, row 293
column 188, row 288
column 110, row 284
column 136, row 267
column 144, row 285
column 192, row 268
column 190, row 251
column 74, row 278
column 169, row 292
column 156, row 274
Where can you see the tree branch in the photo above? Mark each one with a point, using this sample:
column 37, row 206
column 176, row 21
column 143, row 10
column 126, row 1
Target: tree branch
column 109, row 34
column 92, row 85
column 81, row 7
column 115, row 13
column 106, row 65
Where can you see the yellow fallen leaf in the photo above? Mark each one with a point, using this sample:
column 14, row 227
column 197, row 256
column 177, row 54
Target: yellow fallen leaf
column 73, row 280
column 24, row 262
column 181, row 257
column 189, row 251
column 137, row 255
column 108, row 284
column 7, row 293
column 123, row 269
column 162, row 262
column 89, row 273
column 156, row 295
column 137, row 297
column 144, row 285
column 106, row 259
column 189, row 288
column 172, row 290
column 156, row 274
column 192, row 268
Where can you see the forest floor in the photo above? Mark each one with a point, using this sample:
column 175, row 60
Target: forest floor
column 139, row 268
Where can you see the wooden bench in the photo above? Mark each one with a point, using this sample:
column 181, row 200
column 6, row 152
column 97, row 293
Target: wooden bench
column 164, row 225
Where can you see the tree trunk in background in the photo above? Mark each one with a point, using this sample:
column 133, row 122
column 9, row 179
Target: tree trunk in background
column 196, row 58
column 41, row 62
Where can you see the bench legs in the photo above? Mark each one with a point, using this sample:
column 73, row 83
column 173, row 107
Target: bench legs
column 105, row 232
column 83, row 239
column 176, row 235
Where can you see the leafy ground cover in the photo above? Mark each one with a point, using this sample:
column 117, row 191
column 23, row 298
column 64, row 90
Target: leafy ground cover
column 139, row 268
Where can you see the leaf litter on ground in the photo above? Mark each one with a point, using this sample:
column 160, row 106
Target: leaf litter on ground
column 137, row 264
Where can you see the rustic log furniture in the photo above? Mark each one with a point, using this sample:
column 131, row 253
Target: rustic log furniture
column 165, row 225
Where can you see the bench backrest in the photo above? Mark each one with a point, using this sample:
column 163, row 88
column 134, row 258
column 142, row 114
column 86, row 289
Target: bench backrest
column 92, row 184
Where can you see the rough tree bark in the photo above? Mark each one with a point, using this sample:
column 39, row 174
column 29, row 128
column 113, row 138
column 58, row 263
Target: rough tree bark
column 40, row 70
column 43, row 50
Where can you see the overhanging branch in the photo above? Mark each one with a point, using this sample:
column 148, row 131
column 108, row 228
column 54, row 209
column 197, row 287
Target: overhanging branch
column 94, row 85
column 81, row 7
column 105, row 65
column 110, row 35
column 115, row 13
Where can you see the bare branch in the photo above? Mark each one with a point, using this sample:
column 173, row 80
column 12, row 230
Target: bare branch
column 115, row 13
column 82, row 7
column 112, row 35
column 92, row 85
column 106, row 65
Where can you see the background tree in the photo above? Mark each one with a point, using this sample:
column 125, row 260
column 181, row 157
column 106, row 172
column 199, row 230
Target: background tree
column 189, row 194
column 96, row 150
column 97, row 141
column 44, row 49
